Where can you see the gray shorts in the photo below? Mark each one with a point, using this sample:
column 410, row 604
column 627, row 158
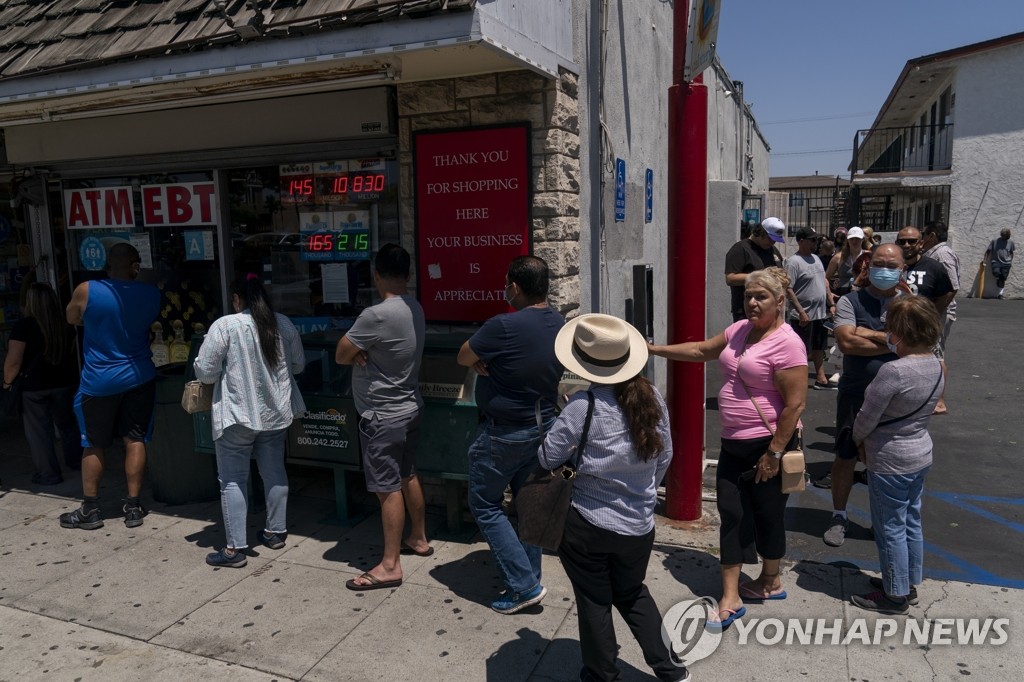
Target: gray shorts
column 389, row 450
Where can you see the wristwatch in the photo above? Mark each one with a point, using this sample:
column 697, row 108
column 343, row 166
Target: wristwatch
column 776, row 455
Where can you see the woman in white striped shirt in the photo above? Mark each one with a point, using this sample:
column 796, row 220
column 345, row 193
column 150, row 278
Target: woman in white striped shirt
column 250, row 358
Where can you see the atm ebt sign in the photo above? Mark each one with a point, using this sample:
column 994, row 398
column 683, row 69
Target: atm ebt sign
column 173, row 205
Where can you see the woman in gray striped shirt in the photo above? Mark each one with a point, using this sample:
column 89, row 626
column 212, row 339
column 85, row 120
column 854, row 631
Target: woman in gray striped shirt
column 892, row 432
column 609, row 532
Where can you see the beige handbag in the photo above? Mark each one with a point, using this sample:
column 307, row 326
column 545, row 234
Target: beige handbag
column 198, row 397
column 792, row 465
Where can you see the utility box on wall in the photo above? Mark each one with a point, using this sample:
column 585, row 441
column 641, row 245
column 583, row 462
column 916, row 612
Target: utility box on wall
column 640, row 309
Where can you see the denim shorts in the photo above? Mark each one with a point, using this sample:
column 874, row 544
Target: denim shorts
column 389, row 450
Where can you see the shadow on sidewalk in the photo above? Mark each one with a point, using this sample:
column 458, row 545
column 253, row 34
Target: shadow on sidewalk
column 474, row 578
column 699, row 571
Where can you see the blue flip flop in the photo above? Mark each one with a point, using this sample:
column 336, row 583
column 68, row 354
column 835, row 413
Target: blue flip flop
column 748, row 593
column 720, row 625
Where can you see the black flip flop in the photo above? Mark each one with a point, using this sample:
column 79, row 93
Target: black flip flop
column 375, row 583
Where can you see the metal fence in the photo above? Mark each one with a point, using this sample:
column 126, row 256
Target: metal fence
column 910, row 148
column 887, row 209
column 823, row 209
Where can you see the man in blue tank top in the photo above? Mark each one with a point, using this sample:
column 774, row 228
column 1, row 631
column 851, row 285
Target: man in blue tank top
column 117, row 391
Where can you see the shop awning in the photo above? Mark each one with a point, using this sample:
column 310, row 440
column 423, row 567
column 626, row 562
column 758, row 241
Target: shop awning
column 81, row 58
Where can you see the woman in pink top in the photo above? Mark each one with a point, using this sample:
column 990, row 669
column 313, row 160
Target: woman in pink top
column 760, row 357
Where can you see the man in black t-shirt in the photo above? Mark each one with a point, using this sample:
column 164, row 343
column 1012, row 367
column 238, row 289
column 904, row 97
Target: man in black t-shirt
column 922, row 275
column 757, row 252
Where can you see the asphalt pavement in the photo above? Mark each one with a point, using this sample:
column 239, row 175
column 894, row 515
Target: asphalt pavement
column 132, row 604
column 973, row 508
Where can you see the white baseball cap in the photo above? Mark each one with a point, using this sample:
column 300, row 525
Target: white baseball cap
column 855, row 233
column 775, row 228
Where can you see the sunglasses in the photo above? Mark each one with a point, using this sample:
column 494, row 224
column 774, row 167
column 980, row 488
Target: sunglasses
column 907, row 242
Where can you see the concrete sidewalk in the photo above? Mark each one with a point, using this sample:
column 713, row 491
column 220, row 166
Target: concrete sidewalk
column 129, row 604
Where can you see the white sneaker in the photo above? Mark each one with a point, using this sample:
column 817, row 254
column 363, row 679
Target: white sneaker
column 834, row 379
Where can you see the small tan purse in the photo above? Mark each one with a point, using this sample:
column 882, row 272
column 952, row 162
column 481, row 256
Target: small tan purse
column 197, row 397
column 792, row 465
column 792, row 472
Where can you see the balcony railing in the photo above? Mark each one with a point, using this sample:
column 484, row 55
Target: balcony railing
column 913, row 149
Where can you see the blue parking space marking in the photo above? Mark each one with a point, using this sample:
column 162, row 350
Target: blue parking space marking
column 968, row 572
column 958, row 500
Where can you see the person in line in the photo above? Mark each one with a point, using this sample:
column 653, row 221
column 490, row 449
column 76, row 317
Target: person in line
column 250, row 358
column 839, row 238
column 609, row 532
column 871, row 240
column 999, row 256
column 891, row 432
column 117, row 392
column 385, row 348
column 924, row 276
column 748, row 255
column 43, row 346
column 762, row 359
column 860, row 334
column 811, row 302
column 840, row 268
column 514, row 355
column 826, row 249
column 934, row 240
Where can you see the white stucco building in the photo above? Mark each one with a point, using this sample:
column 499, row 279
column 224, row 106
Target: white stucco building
column 948, row 144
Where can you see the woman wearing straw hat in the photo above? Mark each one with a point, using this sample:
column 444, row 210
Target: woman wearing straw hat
column 762, row 359
column 609, row 532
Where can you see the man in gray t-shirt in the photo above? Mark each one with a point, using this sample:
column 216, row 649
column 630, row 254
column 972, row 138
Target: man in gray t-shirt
column 811, row 301
column 391, row 335
column 386, row 346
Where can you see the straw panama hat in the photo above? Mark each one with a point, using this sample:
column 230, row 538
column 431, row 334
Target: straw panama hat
column 601, row 348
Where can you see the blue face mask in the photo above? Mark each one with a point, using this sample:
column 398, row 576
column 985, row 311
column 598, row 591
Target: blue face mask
column 890, row 344
column 884, row 278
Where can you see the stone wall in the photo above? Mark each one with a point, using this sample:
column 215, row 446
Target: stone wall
column 551, row 108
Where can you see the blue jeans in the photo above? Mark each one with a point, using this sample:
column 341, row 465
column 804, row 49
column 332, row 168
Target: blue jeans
column 236, row 446
column 896, row 519
column 500, row 456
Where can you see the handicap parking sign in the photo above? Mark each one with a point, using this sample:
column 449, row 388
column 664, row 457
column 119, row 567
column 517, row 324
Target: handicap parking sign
column 92, row 254
column 620, row 190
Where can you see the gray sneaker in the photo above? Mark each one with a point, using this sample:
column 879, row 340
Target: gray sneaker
column 836, row 533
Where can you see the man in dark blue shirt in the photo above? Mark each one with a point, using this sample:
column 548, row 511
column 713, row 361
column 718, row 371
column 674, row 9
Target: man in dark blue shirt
column 514, row 354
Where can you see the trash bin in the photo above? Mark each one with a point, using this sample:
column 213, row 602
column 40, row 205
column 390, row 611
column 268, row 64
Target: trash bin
column 177, row 473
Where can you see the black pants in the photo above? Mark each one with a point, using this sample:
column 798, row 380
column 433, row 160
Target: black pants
column 607, row 569
column 41, row 410
column 753, row 514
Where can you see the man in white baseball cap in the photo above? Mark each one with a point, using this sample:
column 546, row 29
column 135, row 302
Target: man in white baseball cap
column 776, row 229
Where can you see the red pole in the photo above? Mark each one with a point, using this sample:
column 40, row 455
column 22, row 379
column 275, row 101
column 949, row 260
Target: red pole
column 687, row 267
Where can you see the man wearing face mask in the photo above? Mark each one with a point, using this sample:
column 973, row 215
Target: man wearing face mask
column 514, row 354
column 860, row 335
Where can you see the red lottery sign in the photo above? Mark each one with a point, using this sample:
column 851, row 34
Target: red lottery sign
column 472, row 218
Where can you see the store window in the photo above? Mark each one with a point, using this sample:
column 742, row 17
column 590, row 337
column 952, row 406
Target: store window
column 171, row 219
column 310, row 229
